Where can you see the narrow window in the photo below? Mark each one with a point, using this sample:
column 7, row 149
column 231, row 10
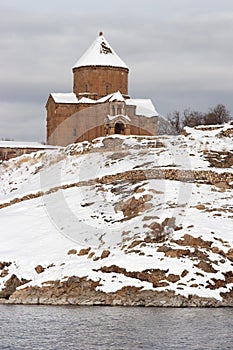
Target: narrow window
column 86, row 88
column 118, row 110
column 113, row 110
column 107, row 89
column 74, row 132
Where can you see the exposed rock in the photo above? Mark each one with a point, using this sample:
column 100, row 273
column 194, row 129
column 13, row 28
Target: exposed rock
column 134, row 244
column 155, row 276
column 216, row 283
column 228, row 277
column 229, row 254
column 80, row 291
column 203, row 265
column 184, row 273
column 227, row 299
column 72, row 252
column 132, row 206
column 4, row 264
column 39, row 269
column 50, row 265
column 164, row 249
column 226, row 133
column 96, row 258
column 222, row 185
column 177, row 253
column 84, row 251
column 91, row 255
column 207, row 128
column 216, row 250
column 188, row 240
column 10, row 286
column 155, row 237
column 185, row 133
column 105, row 254
column 156, row 227
column 173, row 278
column 139, row 190
column 159, row 232
column 201, row 176
column 169, row 222
column 220, row 159
column 86, row 204
column 146, row 218
column 200, row 206
column 4, row 273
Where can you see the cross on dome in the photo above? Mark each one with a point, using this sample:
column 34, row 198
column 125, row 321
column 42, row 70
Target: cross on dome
column 100, row 53
column 105, row 49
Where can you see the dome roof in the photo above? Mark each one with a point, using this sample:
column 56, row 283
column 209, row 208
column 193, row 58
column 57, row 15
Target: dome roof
column 100, row 53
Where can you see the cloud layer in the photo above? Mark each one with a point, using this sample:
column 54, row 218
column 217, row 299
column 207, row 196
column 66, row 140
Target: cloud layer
column 178, row 61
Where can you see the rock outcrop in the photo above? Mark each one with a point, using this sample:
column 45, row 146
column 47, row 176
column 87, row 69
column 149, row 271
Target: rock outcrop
column 10, row 286
column 80, row 291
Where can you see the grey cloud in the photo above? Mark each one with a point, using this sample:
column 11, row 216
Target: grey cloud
column 183, row 62
column 22, row 123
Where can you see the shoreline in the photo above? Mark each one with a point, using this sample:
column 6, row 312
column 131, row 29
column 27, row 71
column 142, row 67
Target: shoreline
column 82, row 292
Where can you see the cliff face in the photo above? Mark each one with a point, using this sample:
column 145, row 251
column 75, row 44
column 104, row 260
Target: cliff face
column 120, row 221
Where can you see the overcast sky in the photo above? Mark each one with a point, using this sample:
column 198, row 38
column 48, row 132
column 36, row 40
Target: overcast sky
column 180, row 53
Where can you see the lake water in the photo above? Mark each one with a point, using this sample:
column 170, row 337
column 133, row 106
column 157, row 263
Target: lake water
column 58, row 327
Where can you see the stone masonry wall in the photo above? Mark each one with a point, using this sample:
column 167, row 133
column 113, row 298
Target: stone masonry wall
column 9, row 152
column 100, row 80
column 70, row 123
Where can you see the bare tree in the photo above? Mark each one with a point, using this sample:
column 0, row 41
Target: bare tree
column 217, row 115
column 178, row 120
column 175, row 120
column 192, row 118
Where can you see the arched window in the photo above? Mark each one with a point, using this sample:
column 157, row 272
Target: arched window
column 119, row 128
column 107, row 89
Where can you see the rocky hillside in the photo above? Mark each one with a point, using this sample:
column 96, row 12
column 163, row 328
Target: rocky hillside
column 121, row 221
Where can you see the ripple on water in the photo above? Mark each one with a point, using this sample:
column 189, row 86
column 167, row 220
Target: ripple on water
column 101, row 328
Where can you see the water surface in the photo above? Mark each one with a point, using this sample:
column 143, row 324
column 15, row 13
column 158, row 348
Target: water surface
column 67, row 327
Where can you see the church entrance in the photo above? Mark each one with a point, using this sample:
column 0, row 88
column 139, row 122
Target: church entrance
column 119, row 128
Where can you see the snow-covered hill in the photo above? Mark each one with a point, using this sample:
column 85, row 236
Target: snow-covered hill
column 124, row 220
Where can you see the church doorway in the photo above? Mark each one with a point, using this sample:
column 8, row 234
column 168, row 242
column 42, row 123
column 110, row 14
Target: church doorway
column 119, row 128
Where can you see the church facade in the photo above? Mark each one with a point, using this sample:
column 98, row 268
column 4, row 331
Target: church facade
column 99, row 104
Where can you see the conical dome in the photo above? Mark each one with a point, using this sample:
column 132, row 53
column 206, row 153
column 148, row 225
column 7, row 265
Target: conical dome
column 100, row 53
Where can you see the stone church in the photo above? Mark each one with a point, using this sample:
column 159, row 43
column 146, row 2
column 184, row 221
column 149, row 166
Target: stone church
column 99, row 104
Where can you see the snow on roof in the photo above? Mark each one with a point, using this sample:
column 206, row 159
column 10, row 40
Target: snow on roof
column 100, row 53
column 143, row 107
column 112, row 117
column 22, row 144
column 115, row 96
column 86, row 100
column 64, row 97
